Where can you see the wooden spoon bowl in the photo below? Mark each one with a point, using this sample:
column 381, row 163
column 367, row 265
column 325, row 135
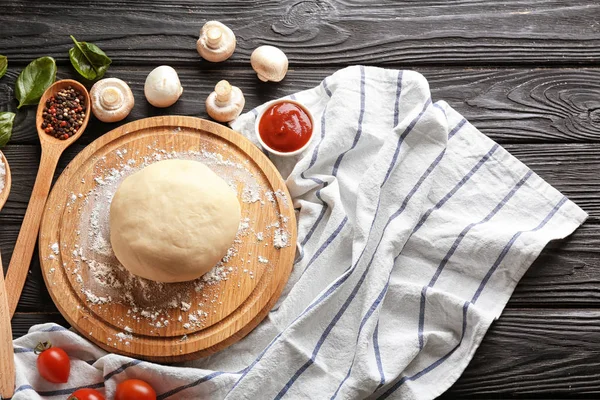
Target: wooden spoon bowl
column 52, row 148
column 7, row 365
column 50, row 140
column 7, row 182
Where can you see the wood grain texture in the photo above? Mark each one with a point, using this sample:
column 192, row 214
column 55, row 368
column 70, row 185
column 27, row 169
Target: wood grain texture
column 21, row 322
column 314, row 32
column 545, row 344
column 35, row 296
column 509, row 105
column 567, row 274
column 571, row 168
column 527, row 353
column 52, row 148
column 7, row 363
column 258, row 268
column 6, row 181
column 541, row 353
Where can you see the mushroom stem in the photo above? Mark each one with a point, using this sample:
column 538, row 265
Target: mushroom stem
column 213, row 37
column 111, row 99
column 225, row 103
column 223, row 90
column 216, row 42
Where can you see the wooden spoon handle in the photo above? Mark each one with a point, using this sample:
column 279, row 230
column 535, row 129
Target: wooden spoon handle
column 7, row 361
column 21, row 257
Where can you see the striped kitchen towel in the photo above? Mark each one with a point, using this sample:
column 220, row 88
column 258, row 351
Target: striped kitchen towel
column 413, row 231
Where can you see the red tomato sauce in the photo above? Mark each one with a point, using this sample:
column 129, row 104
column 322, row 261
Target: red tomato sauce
column 285, row 127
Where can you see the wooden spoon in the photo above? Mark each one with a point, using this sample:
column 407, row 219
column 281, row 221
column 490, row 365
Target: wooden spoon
column 52, row 148
column 7, row 182
column 7, row 361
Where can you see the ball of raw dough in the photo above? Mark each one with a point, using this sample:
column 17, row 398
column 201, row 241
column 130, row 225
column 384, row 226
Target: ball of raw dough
column 173, row 221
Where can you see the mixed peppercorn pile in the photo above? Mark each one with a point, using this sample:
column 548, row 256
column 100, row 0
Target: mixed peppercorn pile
column 64, row 113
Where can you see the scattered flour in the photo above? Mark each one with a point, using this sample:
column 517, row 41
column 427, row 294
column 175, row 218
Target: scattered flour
column 54, row 248
column 280, row 239
column 250, row 194
column 101, row 277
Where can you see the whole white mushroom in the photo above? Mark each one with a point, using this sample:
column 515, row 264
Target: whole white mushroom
column 162, row 87
column 225, row 103
column 216, row 42
column 111, row 99
column 270, row 63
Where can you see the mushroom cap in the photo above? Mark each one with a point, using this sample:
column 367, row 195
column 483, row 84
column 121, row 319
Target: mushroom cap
column 162, row 87
column 270, row 63
column 111, row 99
column 225, row 103
column 216, row 42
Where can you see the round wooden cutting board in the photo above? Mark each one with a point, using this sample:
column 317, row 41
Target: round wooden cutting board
column 204, row 316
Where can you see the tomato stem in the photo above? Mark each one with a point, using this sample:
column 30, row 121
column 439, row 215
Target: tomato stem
column 41, row 347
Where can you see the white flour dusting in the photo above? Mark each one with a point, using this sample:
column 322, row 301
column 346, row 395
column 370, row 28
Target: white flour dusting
column 103, row 280
column 54, row 248
column 280, row 240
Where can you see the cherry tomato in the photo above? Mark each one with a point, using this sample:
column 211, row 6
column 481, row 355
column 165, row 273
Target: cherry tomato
column 134, row 389
column 53, row 363
column 86, row 394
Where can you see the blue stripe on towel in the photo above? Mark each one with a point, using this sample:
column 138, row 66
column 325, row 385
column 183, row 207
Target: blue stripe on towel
column 455, row 189
column 313, row 160
column 377, row 355
column 179, row 389
column 310, row 307
column 481, row 287
column 401, row 138
column 338, row 315
column 455, row 245
column 359, row 127
column 395, row 215
column 58, row 392
column 121, row 369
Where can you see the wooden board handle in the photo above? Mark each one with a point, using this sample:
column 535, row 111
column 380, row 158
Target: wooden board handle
column 21, row 257
column 7, row 361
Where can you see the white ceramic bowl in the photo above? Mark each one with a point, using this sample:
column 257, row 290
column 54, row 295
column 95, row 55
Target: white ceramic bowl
column 280, row 153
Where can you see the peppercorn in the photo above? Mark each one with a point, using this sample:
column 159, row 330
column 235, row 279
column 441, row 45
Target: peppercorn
column 64, row 113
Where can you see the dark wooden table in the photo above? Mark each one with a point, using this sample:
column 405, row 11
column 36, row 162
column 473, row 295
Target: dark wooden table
column 523, row 71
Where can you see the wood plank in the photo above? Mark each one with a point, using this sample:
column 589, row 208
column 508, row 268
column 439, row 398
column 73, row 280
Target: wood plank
column 35, row 296
column 509, row 105
column 526, row 353
column 572, row 169
column 315, row 32
column 535, row 353
column 566, row 274
column 21, row 322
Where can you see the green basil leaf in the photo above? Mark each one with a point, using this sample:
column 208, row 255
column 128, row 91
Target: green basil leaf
column 34, row 80
column 3, row 65
column 6, row 125
column 89, row 60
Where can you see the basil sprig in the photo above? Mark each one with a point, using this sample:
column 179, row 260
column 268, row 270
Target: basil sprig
column 34, row 80
column 3, row 65
column 89, row 60
column 6, row 125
